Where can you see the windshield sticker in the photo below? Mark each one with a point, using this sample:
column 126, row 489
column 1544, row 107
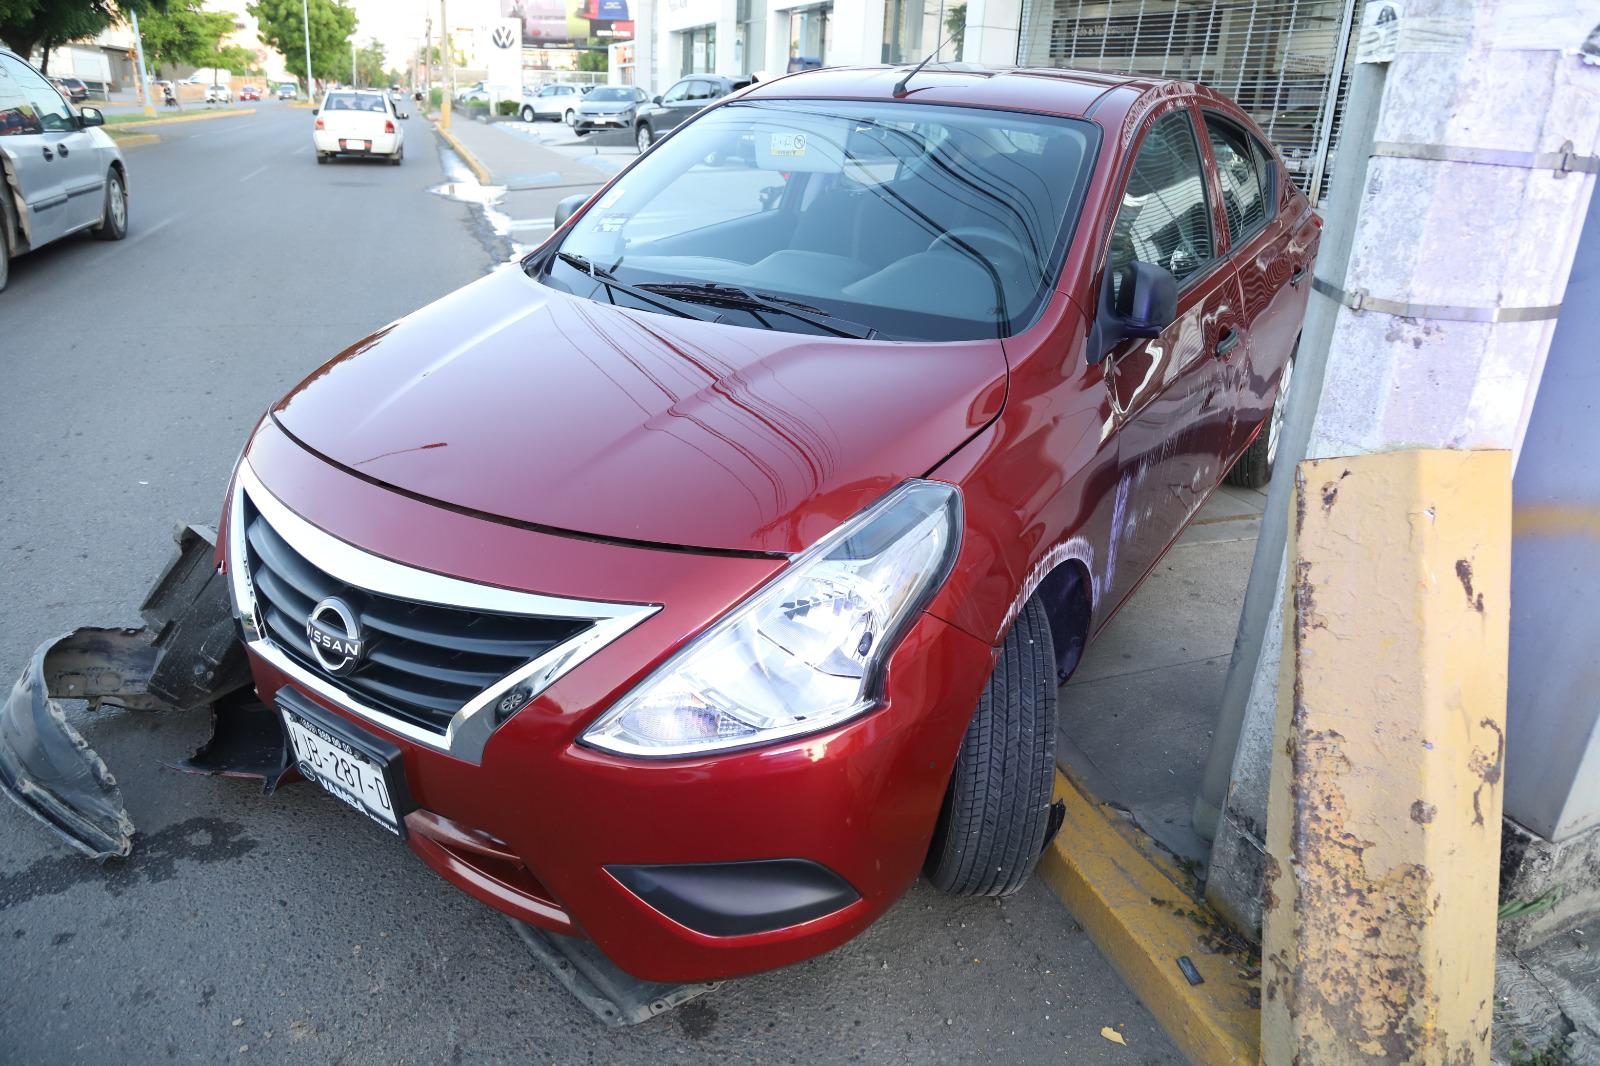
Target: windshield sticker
column 611, row 223
column 610, row 198
column 788, row 144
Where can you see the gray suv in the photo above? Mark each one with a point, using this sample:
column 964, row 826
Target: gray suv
column 58, row 173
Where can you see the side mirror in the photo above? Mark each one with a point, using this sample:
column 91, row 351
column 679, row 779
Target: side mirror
column 1153, row 302
column 90, row 116
column 569, row 207
column 657, row 99
column 1146, row 305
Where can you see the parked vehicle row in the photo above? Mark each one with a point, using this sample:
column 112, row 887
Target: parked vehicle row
column 59, row 172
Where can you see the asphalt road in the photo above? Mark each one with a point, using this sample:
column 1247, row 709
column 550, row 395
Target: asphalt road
column 287, row 928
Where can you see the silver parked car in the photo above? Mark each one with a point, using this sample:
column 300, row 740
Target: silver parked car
column 558, row 101
column 58, row 173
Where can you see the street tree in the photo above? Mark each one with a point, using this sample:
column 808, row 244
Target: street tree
column 30, row 25
column 185, row 34
column 283, row 29
column 370, row 62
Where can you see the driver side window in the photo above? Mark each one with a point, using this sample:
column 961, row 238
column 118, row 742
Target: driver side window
column 678, row 92
column 1164, row 219
column 50, row 111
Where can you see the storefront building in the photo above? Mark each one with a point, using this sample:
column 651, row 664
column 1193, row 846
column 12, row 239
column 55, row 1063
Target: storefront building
column 1285, row 61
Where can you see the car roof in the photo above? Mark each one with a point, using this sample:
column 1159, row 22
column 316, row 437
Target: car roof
column 1105, row 96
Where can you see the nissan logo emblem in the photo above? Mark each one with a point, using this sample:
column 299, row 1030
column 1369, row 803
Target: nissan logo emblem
column 335, row 636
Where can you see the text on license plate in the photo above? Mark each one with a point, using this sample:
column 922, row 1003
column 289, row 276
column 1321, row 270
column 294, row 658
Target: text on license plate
column 356, row 146
column 342, row 770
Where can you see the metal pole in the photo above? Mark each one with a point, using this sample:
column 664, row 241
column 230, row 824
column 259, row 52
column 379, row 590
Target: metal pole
column 355, row 78
column 449, row 78
column 305, row 12
column 1325, row 133
column 427, row 64
column 144, row 75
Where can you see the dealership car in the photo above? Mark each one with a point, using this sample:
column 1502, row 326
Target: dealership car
column 610, row 107
column 687, row 96
column 558, row 101
column 358, row 123
column 73, row 89
column 59, row 173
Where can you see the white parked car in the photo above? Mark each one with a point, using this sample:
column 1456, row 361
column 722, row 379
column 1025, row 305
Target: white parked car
column 558, row 101
column 358, row 122
column 59, row 173
column 219, row 94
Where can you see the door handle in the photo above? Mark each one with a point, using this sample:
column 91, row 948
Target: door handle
column 1227, row 343
column 1298, row 276
column 47, row 155
column 63, row 150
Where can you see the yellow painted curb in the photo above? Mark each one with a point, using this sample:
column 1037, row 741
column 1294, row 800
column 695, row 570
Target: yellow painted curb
column 198, row 116
column 303, row 105
column 134, row 140
column 1133, row 905
column 479, row 171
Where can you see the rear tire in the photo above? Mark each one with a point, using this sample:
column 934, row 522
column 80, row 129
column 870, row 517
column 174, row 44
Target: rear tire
column 1254, row 468
column 114, row 212
column 398, row 157
column 997, row 809
column 322, row 157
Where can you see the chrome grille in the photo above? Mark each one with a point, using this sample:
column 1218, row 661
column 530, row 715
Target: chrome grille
column 421, row 662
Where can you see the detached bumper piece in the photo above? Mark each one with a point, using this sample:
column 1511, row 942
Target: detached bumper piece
column 612, row 996
column 739, row 898
column 186, row 655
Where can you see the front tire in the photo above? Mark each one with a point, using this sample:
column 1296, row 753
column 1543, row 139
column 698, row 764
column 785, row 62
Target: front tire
column 114, row 212
column 5, row 245
column 997, row 809
column 527, row 114
column 643, row 137
column 570, row 118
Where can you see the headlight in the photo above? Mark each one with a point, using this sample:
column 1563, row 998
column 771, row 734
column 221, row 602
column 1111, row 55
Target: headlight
column 807, row 650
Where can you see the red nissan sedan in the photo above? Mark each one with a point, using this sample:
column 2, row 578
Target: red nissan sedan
column 695, row 583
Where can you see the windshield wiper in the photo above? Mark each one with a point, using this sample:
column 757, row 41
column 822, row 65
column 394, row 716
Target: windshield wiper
column 608, row 279
column 749, row 299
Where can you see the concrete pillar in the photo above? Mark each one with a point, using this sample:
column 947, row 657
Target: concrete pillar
column 994, row 28
column 1456, row 235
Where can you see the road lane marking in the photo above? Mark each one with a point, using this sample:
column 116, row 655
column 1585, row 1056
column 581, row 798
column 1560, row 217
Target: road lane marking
column 299, row 150
column 139, row 236
column 253, row 173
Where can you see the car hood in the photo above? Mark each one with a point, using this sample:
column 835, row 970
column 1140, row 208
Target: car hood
column 511, row 399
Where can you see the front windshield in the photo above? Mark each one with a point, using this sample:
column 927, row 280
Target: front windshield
column 611, row 94
column 918, row 221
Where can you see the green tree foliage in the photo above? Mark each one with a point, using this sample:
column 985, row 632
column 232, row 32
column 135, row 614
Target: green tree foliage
column 27, row 25
column 283, row 28
column 185, row 34
column 955, row 24
column 599, row 61
column 369, row 66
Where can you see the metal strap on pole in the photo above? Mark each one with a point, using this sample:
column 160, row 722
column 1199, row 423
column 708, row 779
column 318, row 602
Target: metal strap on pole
column 1361, row 300
column 1563, row 161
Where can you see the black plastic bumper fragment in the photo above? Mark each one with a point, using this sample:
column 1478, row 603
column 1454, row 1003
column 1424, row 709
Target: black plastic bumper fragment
column 739, row 898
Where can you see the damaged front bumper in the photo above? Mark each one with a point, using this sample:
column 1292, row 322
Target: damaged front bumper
column 187, row 654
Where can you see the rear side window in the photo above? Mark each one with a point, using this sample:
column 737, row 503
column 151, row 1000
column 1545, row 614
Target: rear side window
column 1241, row 176
column 1164, row 219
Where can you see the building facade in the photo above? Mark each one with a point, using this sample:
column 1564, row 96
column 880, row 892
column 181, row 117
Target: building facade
column 1285, row 61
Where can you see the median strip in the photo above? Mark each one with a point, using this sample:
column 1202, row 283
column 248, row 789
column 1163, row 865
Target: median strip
column 169, row 120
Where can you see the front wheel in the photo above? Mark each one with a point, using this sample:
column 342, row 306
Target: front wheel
column 643, row 137
column 1254, row 468
column 997, row 809
column 527, row 114
column 114, row 213
column 5, row 247
column 570, row 118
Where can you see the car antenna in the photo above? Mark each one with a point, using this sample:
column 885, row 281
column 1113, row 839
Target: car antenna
column 900, row 86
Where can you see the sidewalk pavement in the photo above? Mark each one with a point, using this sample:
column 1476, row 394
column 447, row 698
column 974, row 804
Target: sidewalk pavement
column 519, row 163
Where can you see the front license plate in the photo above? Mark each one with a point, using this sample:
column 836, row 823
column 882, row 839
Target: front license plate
column 363, row 771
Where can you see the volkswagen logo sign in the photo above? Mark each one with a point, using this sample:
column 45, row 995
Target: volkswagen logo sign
column 335, row 636
column 504, row 36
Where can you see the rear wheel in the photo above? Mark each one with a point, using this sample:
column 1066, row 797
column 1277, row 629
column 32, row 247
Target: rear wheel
column 398, row 157
column 997, row 809
column 527, row 114
column 1254, row 468
column 643, row 137
column 322, row 157
column 114, row 212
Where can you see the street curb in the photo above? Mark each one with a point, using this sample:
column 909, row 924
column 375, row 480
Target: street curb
column 303, row 105
column 1131, row 901
column 134, row 140
column 198, row 116
column 479, row 171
